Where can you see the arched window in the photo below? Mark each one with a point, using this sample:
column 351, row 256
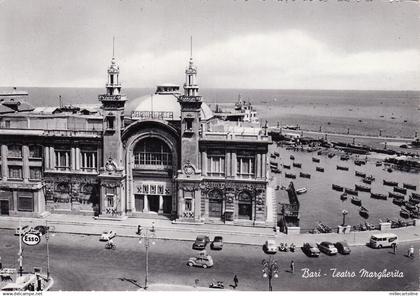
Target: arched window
column 152, row 151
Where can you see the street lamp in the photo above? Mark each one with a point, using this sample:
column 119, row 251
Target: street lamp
column 270, row 270
column 147, row 241
column 47, row 237
column 344, row 212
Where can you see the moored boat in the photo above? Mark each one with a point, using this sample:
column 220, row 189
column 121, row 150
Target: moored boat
column 314, row 159
column 343, row 196
column 414, row 200
column 301, row 190
column 359, row 162
column 276, row 154
column 356, row 201
column 292, row 157
column 378, row 196
column 415, row 214
column 360, row 174
column 409, row 186
column 415, row 195
column 398, row 201
column 351, row 191
column 396, row 195
column 344, row 157
column 370, row 178
column 367, row 181
column 337, row 187
column 389, row 170
column 319, row 169
column 378, row 163
column 400, row 190
column 286, row 166
column 390, row 183
column 331, row 155
column 342, row 168
column 290, row 176
column 297, row 165
column 404, row 213
column 361, row 188
column 363, row 212
column 410, row 206
column 305, row 175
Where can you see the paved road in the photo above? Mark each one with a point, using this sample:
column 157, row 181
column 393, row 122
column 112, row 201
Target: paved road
column 81, row 263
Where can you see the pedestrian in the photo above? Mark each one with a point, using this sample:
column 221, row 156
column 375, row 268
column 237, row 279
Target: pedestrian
column 1, row 264
column 411, row 252
column 235, row 281
column 394, row 247
column 292, row 266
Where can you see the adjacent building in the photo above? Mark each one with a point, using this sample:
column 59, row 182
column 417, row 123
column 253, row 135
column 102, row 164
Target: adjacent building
column 162, row 155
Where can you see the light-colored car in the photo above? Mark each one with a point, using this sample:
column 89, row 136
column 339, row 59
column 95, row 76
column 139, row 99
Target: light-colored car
column 217, row 243
column 310, row 250
column 22, row 230
column 327, row 248
column 107, row 235
column 270, row 247
column 202, row 260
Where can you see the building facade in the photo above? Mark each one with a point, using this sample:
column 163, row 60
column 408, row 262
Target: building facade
column 162, row 155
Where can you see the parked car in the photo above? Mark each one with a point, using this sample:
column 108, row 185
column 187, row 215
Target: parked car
column 22, row 230
column 202, row 260
column 201, row 242
column 343, row 248
column 327, row 248
column 270, row 247
column 217, row 243
column 381, row 240
column 107, row 235
column 310, row 250
column 40, row 229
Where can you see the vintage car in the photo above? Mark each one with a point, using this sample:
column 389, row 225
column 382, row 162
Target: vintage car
column 310, row 250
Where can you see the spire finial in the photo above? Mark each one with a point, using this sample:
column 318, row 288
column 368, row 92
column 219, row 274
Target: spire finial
column 191, row 47
column 113, row 45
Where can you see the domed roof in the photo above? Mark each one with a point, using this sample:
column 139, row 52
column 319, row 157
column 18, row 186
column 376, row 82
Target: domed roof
column 163, row 103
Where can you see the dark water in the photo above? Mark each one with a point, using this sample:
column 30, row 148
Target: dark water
column 363, row 112
column 321, row 203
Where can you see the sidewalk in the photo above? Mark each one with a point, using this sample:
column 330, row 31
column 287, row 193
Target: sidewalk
column 165, row 229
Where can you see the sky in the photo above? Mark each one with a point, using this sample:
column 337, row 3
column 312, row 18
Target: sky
column 257, row 44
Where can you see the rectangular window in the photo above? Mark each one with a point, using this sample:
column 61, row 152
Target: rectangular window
column 110, row 123
column 25, row 201
column 216, row 164
column 14, row 151
column 35, row 173
column 188, row 204
column 35, row 151
column 62, row 160
column 15, row 172
column 88, row 160
column 160, row 189
column 246, row 166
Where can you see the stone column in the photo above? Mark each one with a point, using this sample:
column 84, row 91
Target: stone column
column 180, row 203
column 25, row 162
column 95, row 165
column 52, row 158
column 46, row 158
column 4, row 170
column 77, row 164
column 160, row 204
column 234, row 163
column 258, row 165
column 227, row 165
column 197, row 205
column 73, row 158
column 263, row 165
column 145, row 204
column 204, row 163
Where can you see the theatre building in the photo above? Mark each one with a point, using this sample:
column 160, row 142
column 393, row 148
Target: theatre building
column 163, row 155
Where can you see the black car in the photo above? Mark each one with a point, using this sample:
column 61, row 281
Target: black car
column 201, row 242
column 41, row 229
column 342, row 248
column 217, row 243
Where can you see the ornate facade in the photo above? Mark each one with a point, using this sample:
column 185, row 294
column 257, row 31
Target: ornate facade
column 163, row 155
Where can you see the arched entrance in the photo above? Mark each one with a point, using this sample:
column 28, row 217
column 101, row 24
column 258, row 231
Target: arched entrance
column 245, row 205
column 152, row 174
column 215, row 204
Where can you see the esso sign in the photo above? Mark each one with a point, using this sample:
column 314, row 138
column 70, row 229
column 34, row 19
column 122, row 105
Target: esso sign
column 31, row 239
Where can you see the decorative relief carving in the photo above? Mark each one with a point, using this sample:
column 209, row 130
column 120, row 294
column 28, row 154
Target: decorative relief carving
column 188, row 168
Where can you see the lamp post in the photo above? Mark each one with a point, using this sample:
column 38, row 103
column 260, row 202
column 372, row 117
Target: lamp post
column 344, row 212
column 270, row 270
column 144, row 237
column 47, row 237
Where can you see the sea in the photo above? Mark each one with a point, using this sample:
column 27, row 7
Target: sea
column 391, row 113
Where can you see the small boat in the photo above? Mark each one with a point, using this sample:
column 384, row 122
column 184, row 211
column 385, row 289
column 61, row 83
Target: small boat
column 359, row 162
column 361, row 188
column 413, row 200
column 331, row 155
column 286, row 166
column 371, row 178
column 290, row 176
column 360, row 174
column 378, row 163
column 314, row 159
column 378, row 196
column 343, row 196
column 301, row 190
column 351, row 191
column 342, row 168
column 415, row 195
column 389, row 170
column 415, row 214
column 304, row 175
column 275, row 171
column 400, row 190
column 390, row 183
column 395, row 195
column 398, row 201
column 356, row 201
column 297, row 165
column 318, row 153
column 409, row 186
column 409, row 206
column 319, row 169
column 276, row 154
column 367, row 181
column 344, row 157
column 292, row 157
column 404, row 213
column 337, row 187
column 272, row 155
column 363, row 212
